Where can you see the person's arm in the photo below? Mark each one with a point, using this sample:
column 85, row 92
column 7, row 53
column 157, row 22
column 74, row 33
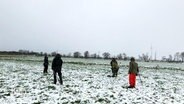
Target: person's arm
column 53, row 65
column 137, row 69
column 44, row 62
column 117, row 65
column 61, row 63
column 129, row 68
column 47, row 61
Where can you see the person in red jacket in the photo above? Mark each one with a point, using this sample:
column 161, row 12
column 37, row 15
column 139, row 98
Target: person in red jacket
column 133, row 71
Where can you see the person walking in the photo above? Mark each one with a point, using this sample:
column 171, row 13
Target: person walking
column 45, row 64
column 133, row 71
column 57, row 67
column 114, row 67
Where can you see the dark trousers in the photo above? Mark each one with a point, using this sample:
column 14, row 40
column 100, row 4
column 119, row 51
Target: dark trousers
column 45, row 69
column 60, row 77
column 114, row 72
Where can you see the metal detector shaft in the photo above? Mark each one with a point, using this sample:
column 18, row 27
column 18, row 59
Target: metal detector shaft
column 140, row 79
column 50, row 76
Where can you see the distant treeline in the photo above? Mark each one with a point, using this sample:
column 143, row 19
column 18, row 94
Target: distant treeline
column 21, row 52
column 77, row 54
column 176, row 58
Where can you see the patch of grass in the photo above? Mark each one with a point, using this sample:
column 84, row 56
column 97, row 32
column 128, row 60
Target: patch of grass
column 90, row 82
column 78, row 63
column 76, row 102
column 7, row 94
column 156, row 77
column 85, row 80
column 68, row 90
column 15, row 71
column 37, row 102
column 101, row 100
column 51, row 87
column 67, row 86
column 63, row 98
column 65, row 102
column 1, row 81
column 75, row 92
column 112, row 96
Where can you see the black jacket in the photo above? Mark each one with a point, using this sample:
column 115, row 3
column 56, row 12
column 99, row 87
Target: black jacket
column 46, row 62
column 57, row 63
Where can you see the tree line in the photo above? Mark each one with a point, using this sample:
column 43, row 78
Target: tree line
column 177, row 57
column 105, row 55
column 77, row 54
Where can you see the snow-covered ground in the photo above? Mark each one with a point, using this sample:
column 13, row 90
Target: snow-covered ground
column 86, row 82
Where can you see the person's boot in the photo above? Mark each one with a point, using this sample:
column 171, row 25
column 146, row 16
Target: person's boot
column 55, row 80
column 61, row 82
column 131, row 87
column 116, row 74
column 113, row 75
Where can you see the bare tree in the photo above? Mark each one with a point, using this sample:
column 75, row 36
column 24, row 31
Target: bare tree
column 140, row 57
column 125, row 56
column 53, row 53
column 41, row 54
column 164, row 58
column 120, row 56
column 69, row 55
column 86, row 54
column 76, row 54
column 170, row 58
column 145, row 57
column 106, row 55
column 94, row 55
column 182, row 56
column 177, row 56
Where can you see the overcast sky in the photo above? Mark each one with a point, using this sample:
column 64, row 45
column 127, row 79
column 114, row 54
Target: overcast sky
column 115, row 26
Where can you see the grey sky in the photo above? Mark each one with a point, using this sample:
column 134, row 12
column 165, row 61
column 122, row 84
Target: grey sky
column 115, row 26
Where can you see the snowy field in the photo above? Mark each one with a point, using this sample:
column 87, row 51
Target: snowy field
column 86, row 82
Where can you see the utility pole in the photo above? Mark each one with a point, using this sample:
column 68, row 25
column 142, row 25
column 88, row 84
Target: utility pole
column 155, row 55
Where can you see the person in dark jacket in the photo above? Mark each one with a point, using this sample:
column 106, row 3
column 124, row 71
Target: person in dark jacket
column 56, row 67
column 45, row 64
column 114, row 67
column 133, row 71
